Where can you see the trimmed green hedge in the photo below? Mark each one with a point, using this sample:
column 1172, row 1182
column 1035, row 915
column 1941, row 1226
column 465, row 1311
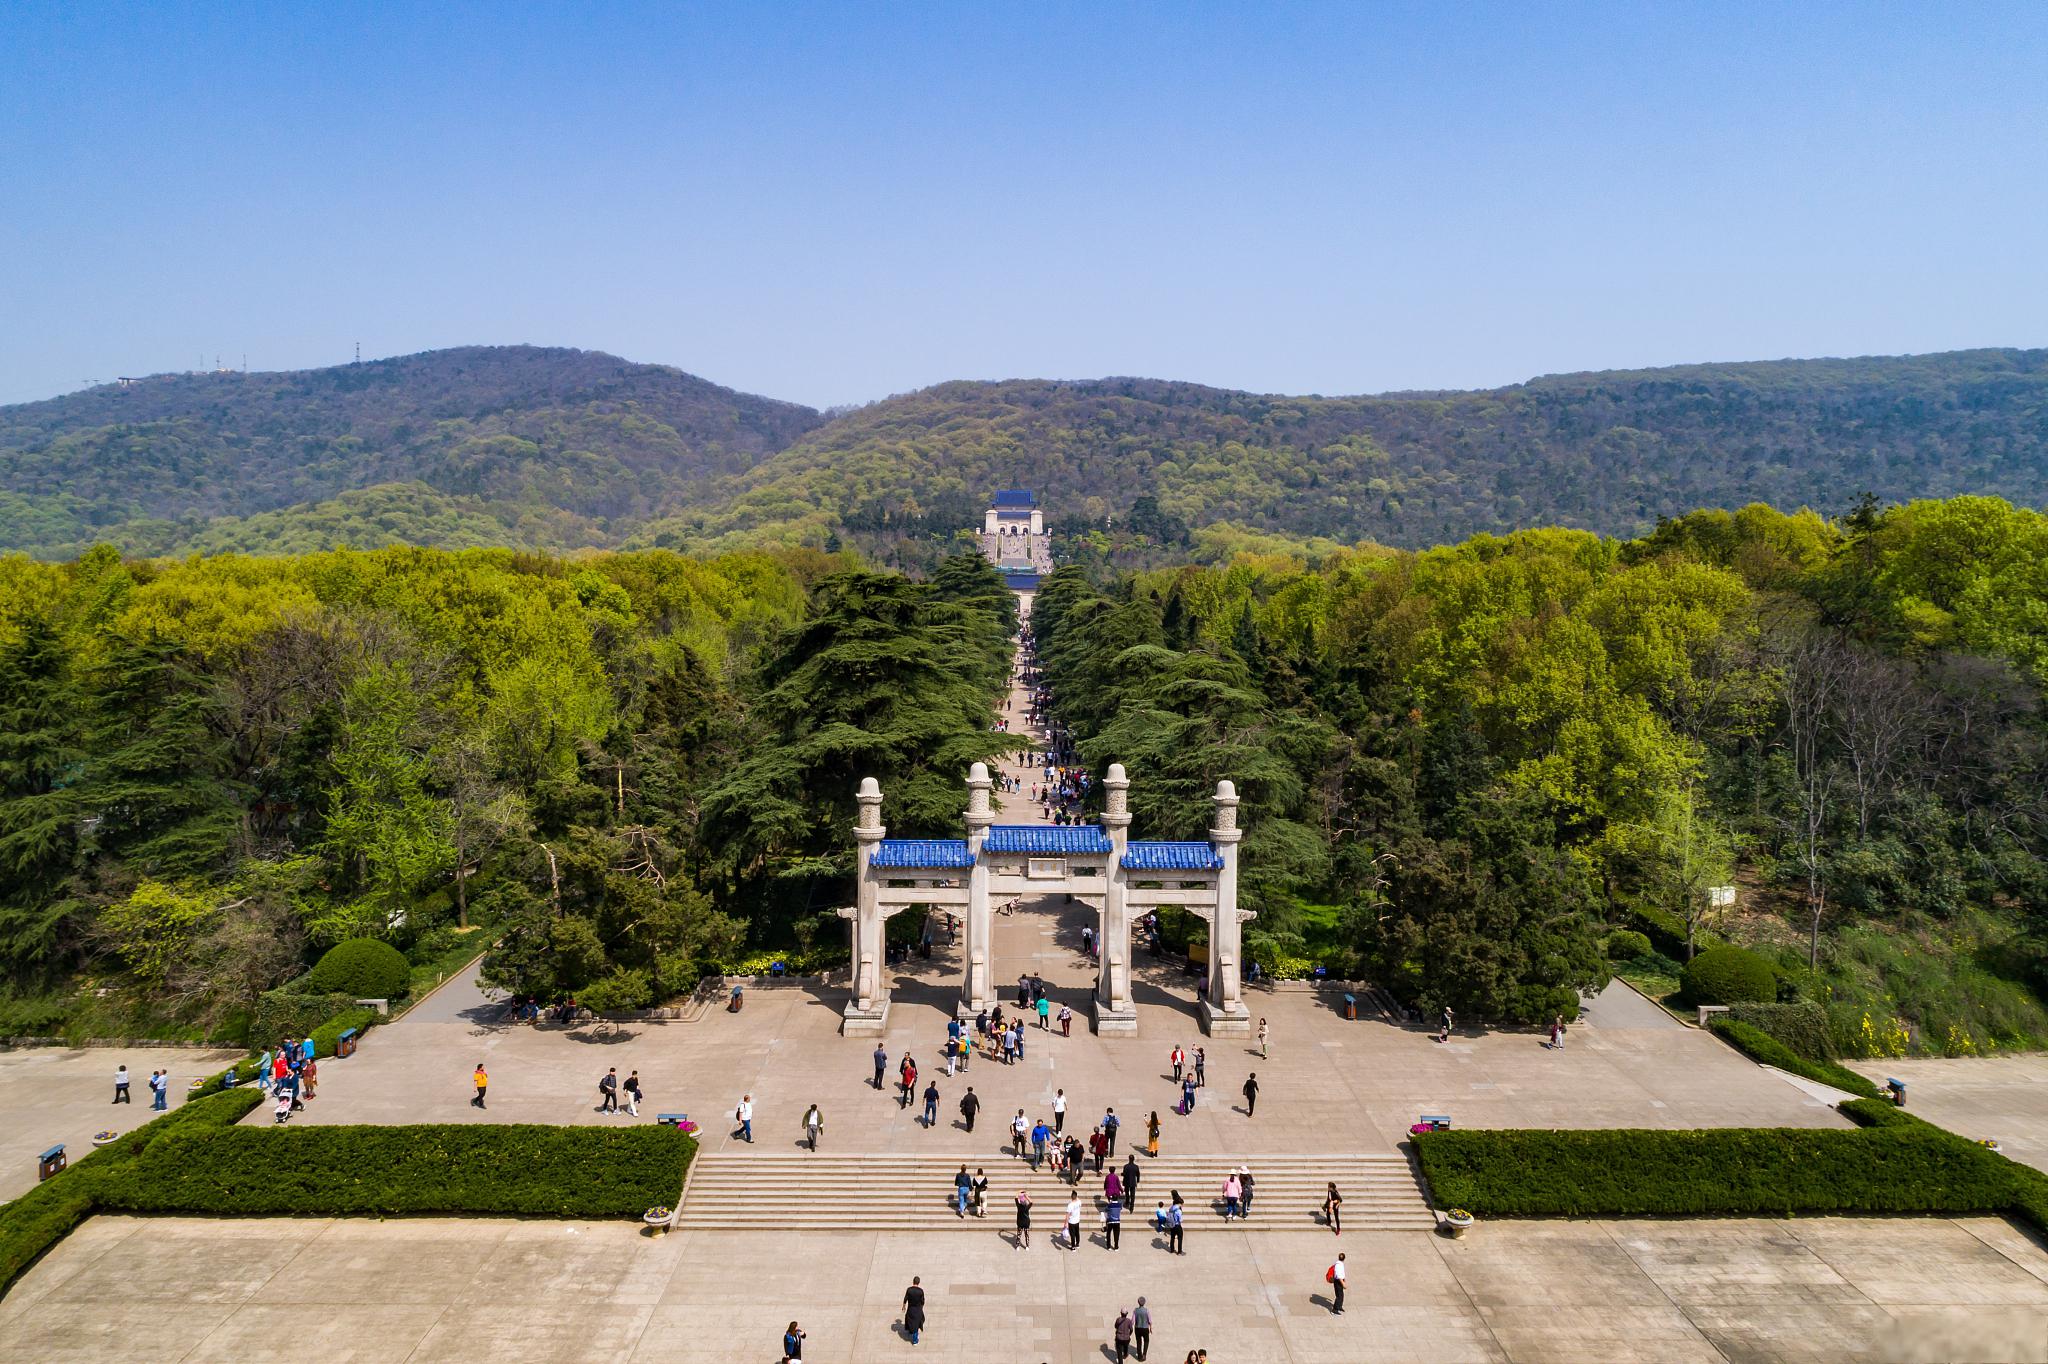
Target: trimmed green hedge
column 1760, row 1046
column 196, row 1160
column 291, row 1013
column 326, row 1038
column 1728, row 975
column 45, row 1215
column 361, row 968
column 1802, row 1025
column 1727, row 1172
column 443, row 1168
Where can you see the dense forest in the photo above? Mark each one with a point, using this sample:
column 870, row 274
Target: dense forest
column 1486, row 774
column 558, row 450
column 633, row 768
column 1483, row 775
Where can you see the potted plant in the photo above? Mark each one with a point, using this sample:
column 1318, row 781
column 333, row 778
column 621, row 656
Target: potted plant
column 1457, row 1221
column 658, row 1218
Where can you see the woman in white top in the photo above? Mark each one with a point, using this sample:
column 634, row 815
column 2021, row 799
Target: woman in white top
column 1074, row 1222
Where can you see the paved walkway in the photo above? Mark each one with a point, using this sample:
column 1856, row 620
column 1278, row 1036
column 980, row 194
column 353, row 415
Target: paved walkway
column 1996, row 1098
column 423, row 1290
column 52, row 1095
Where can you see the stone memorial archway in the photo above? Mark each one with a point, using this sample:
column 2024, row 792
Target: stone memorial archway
column 1097, row 864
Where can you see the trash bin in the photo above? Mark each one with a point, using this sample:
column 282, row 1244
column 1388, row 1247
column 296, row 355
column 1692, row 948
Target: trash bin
column 346, row 1046
column 1898, row 1089
column 49, row 1163
column 1350, row 1005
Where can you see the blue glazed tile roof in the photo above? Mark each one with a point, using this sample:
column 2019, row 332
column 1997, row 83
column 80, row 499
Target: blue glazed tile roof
column 921, row 852
column 1014, row 497
column 1046, row 838
column 1172, row 857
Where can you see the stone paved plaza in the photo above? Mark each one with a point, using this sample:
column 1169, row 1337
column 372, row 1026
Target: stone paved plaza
column 52, row 1095
column 423, row 1290
column 1998, row 1098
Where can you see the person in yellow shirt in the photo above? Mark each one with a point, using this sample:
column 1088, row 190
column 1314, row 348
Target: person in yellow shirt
column 482, row 1082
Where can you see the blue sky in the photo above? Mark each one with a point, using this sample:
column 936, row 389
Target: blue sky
column 832, row 203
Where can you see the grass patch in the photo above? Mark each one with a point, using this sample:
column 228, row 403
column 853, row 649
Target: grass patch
column 1762, row 1047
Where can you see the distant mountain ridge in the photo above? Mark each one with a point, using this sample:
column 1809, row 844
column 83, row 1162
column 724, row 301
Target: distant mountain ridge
column 556, row 448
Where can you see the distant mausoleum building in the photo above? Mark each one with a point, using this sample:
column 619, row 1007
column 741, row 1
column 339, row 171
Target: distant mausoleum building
column 1014, row 538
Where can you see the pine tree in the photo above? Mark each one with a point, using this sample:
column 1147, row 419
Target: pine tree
column 42, row 760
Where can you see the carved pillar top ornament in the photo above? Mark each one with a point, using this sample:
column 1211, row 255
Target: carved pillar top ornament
column 1225, row 829
column 867, row 824
column 979, row 813
column 1116, row 800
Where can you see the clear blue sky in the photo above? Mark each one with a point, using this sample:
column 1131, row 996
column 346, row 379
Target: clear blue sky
column 831, row 203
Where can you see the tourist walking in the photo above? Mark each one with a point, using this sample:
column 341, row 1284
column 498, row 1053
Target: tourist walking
column 1557, row 1033
column 1113, row 1187
column 980, row 1192
column 1152, row 1134
column 1020, row 1129
column 1110, row 1123
column 1141, row 1329
column 1201, row 1066
column 1187, row 1096
column 1113, row 1225
column 1178, row 1058
column 1244, row 1183
column 1233, row 1191
column 1066, row 1021
column 1334, row 1276
column 1074, row 1222
column 1121, row 1333
column 121, row 1095
column 969, row 1106
column 1040, row 1135
column 963, row 1184
column 814, row 1123
column 1023, row 1218
column 1262, row 1039
column 1251, row 1093
column 1098, row 1146
column 1176, row 1230
column 1059, row 1111
column 633, row 1094
column 1333, row 1209
column 159, row 1090
column 913, row 1308
column 480, row 1080
column 881, row 1064
column 931, row 1105
column 1130, row 1180
column 793, row 1342
column 909, row 1078
column 608, row 1092
column 744, row 1116
column 1444, row 1033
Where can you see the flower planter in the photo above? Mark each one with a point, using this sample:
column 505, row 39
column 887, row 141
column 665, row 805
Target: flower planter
column 1456, row 1223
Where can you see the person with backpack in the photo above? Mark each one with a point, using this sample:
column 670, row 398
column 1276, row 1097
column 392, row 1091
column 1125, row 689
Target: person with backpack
column 1109, row 1125
column 608, row 1092
column 744, row 1116
column 1334, row 1276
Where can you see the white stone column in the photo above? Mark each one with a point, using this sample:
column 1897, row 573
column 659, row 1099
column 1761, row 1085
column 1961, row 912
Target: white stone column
column 1224, row 1014
column 867, row 1012
column 1114, row 1010
column 978, row 942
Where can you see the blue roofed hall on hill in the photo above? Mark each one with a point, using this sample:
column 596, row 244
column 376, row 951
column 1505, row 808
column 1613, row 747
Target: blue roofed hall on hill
column 1015, row 497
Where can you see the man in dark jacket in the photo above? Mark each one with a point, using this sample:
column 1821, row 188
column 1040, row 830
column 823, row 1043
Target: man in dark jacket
column 969, row 1106
column 1130, row 1174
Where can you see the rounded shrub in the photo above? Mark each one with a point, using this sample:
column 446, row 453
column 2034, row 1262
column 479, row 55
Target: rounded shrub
column 1729, row 975
column 361, row 968
column 1625, row 944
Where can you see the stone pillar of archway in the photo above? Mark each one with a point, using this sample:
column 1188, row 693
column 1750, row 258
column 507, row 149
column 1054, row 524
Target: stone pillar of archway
column 978, row 942
column 1114, row 1010
column 1224, row 1013
column 867, row 1012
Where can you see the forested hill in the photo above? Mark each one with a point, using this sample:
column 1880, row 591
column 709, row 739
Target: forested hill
column 1609, row 452
column 560, row 449
column 522, row 442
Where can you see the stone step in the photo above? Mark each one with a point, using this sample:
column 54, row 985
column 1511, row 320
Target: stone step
column 907, row 1191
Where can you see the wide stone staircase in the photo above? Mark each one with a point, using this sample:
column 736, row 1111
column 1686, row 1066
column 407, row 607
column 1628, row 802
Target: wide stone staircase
column 902, row 1192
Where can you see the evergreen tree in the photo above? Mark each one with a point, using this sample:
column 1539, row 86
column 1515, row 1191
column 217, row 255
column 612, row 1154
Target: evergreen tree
column 42, row 763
